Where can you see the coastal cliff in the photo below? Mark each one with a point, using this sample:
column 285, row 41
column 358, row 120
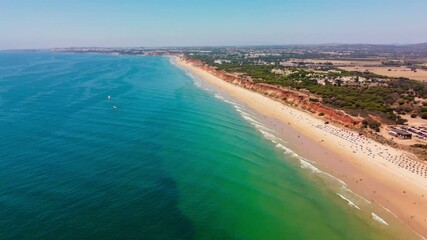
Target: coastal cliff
column 282, row 94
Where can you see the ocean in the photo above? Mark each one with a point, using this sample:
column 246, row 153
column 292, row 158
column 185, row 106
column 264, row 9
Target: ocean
column 164, row 157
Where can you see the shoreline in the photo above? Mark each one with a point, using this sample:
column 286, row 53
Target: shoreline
column 359, row 162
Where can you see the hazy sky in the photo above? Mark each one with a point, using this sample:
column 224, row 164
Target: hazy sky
column 65, row 23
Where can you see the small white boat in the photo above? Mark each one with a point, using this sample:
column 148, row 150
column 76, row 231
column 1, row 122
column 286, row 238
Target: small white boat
column 114, row 107
column 109, row 97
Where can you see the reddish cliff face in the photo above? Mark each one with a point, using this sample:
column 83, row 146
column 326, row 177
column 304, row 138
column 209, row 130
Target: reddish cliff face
column 279, row 93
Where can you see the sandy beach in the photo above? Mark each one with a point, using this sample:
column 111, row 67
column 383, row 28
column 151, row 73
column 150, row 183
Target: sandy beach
column 385, row 176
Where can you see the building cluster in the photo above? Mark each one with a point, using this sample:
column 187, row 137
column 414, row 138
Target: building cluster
column 408, row 132
column 221, row 61
column 399, row 133
column 420, row 132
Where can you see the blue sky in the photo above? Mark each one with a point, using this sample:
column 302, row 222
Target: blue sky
column 65, row 23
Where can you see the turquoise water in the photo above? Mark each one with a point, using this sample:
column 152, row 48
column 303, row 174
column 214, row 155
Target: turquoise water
column 171, row 162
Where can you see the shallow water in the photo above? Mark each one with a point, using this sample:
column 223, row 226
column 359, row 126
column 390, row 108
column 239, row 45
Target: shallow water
column 173, row 161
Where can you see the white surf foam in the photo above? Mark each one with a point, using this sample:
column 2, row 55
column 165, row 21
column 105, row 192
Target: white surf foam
column 264, row 130
column 250, row 119
column 364, row 199
column 288, row 151
column 378, row 219
column 237, row 107
column 196, row 81
column 388, row 210
column 306, row 165
column 268, row 134
column 228, row 101
column 260, row 126
column 350, row 203
column 219, row 96
column 197, row 84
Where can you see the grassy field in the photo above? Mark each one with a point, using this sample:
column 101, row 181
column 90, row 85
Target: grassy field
column 420, row 75
column 355, row 62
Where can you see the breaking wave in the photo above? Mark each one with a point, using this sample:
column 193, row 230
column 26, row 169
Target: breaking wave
column 378, row 219
column 350, row 203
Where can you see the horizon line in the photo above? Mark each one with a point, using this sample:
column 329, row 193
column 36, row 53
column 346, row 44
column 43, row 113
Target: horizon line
column 220, row 46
